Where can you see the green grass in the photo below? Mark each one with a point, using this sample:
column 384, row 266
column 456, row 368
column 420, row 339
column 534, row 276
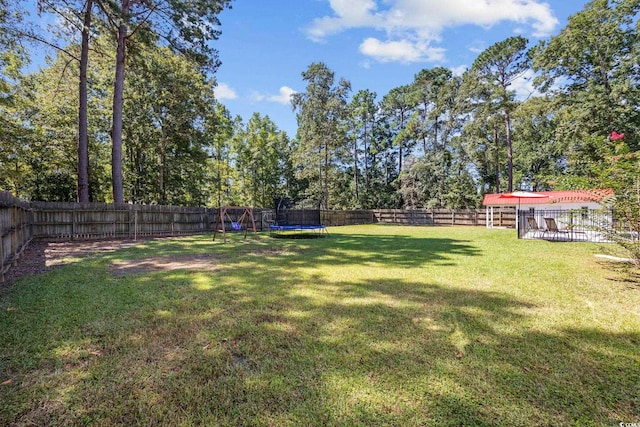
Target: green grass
column 376, row 325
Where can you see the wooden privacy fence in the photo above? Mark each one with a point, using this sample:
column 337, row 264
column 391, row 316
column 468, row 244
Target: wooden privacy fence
column 15, row 230
column 82, row 221
column 472, row 217
column 354, row 217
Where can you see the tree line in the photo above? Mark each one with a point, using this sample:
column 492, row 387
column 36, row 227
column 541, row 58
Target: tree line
column 440, row 140
column 443, row 140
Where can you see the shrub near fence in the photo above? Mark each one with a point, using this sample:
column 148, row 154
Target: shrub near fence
column 15, row 230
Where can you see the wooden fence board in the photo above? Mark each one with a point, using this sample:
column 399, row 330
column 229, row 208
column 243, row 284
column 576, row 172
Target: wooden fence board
column 15, row 230
column 470, row 217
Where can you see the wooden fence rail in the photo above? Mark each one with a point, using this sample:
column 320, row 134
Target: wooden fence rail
column 78, row 221
column 471, row 217
column 82, row 221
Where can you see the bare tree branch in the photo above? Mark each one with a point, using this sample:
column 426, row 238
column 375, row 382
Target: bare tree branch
column 43, row 41
column 54, row 9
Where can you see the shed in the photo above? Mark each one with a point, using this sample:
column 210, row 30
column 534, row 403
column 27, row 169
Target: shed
column 551, row 201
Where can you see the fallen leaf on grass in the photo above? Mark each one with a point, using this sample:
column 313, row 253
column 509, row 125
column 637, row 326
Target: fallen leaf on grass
column 12, row 309
column 7, row 382
column 95, row 353
column 459, row 355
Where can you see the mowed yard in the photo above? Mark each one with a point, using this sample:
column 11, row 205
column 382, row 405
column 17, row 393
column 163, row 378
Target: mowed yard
column 376, row 325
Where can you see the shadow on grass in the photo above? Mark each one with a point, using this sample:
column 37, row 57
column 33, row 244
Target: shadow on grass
column 339, row 249
column 624, row 272
column 257, row 345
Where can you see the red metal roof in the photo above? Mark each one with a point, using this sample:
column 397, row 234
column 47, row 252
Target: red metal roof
column 569, row 196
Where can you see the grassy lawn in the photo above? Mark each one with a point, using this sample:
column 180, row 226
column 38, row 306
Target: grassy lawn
column 376, row 325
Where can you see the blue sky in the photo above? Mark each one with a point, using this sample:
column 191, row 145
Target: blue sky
column 375, row 44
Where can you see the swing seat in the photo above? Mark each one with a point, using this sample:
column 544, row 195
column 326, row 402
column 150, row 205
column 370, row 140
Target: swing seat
column 236, row 226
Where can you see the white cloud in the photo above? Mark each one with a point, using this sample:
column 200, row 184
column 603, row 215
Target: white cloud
column 366, row 64
column 523, row 86
column 224, row 91
column 459, row 70
column 401, row 51
column 257, row 96
column 420, row 23
column 477, row 46
column 284, row 97
column 349, row 14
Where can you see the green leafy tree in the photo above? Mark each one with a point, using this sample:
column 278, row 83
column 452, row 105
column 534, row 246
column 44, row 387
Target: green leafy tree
column 321, row 111
column 166, row 146
column 12, row 133
column 219, row 130
column 490, row 77
column 382, row 158
column 262, row 161
column 539, row 155
column 361, row 128
column 437, row 122
column 591, row 70
column 187, row 27
column 47, row 153
column 431, row 86
column 621, row 173
column 72, row 18
column 482, row 144
column 399, row 106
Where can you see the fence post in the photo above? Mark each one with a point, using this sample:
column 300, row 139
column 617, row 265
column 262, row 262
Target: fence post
column 14, row 243
column 130, row 220
column 1, row 256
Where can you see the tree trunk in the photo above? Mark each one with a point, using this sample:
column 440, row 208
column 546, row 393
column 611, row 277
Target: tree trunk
column 118, row 96
column 325, row 196
column 366, row 161
column 507, row 120
column 435, row 134
column 163, row 161
column 355, row 169
column 495, row 140
column 83, row 122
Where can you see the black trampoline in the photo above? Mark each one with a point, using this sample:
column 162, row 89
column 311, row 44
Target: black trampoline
column 296, row 221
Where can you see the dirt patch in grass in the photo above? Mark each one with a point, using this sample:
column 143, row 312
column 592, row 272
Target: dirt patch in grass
column 40, row 256
column 274, row 251
column 164, row 263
